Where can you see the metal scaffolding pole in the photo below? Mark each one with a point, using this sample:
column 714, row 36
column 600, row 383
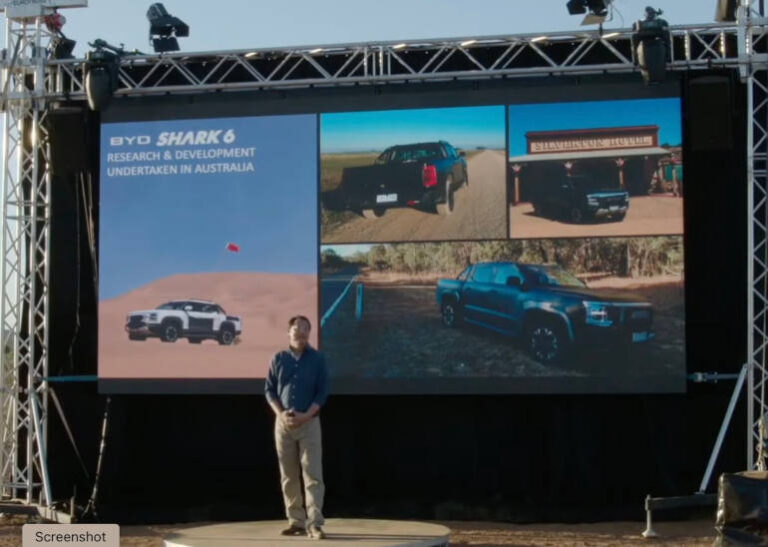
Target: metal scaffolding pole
column 753, row 35
column 24, row 312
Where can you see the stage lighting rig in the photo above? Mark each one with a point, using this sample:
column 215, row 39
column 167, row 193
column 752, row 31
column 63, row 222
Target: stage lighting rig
column 102, row 71
column 61, row 46
column 596, row 10
column 651, row 43
column 164, row 29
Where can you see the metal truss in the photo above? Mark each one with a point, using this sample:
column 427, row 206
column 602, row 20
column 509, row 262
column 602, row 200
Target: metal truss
column 559, row 54
column 753, row 45
column 24, row 313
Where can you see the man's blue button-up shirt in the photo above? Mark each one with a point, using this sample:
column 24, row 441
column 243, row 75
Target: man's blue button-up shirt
column 297, row 383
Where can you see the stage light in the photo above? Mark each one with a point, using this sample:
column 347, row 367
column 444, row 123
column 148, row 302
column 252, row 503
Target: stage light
column 62, row 47
column 576, row 7
column 101, row 74
column 596, row 10
column 164, row 28
column 651, row 41
column 726, row 10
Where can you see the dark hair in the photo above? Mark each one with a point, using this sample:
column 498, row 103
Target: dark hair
column 296, row 318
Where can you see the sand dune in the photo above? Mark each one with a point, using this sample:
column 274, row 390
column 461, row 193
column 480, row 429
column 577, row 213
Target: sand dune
column 264, row 302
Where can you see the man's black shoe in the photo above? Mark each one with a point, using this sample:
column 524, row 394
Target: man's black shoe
column 293, row 531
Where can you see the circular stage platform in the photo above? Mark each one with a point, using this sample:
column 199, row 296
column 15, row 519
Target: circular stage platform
column 339, row 533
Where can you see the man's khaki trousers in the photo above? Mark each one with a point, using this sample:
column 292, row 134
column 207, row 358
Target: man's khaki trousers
column 300, row 452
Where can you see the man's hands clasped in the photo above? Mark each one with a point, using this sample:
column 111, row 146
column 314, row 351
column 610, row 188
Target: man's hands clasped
column 294, row 418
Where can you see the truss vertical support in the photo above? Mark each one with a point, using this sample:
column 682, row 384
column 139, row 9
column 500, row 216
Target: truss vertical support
column 24, row 302
column 753, row 60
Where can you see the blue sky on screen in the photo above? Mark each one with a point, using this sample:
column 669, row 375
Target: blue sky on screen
column 593, row 114
column 156, row 226
column 464, row 127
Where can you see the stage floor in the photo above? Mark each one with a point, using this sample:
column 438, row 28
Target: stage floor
column 339, row 533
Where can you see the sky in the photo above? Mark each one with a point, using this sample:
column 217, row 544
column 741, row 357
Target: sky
column 593, row 114
column 157, row 225
column 245, row 24
column 465, row 127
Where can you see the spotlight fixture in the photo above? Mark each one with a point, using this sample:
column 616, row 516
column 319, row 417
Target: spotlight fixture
column 101, row 73
column 62, row 47
column 164, row 29
column 596, row 10
column 726, row 10
column 651, row 43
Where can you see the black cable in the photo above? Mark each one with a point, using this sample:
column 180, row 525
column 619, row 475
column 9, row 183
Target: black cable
column 91, row 507
column 68, row 430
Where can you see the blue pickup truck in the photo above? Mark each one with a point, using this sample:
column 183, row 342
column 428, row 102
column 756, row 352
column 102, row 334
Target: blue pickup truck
column 423, row 175
column 548, row 307
column 580, row 199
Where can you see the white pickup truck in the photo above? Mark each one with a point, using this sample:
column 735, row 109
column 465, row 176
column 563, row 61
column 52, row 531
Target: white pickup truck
column 196, row 320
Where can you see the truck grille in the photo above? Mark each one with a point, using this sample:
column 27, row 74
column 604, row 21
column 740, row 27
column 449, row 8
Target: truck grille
column 136, row 322
column 634, row 318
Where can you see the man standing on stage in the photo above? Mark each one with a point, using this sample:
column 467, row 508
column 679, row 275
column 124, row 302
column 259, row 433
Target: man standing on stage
column 296, row 388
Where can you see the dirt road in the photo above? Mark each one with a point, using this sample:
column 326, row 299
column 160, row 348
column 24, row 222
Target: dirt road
column 647, row 215
column 480, row 212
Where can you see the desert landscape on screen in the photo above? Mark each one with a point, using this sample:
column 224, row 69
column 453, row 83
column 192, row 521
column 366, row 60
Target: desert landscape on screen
column 264, row 302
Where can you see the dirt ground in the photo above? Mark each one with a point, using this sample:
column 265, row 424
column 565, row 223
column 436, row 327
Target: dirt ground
column 466, row 534
column 648, row 215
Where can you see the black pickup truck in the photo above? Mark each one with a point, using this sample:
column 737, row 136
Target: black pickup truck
column 547, row 306
column 423, row 175
column 579, row 199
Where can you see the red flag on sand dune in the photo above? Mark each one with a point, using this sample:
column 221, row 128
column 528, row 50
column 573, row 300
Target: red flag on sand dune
column 233, row 247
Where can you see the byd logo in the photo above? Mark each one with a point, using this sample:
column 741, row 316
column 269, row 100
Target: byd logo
column 141, row 140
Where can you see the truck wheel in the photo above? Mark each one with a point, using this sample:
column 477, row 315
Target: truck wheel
column 466, row 177
column 620, row 217
column 137, row 337
column 547, row 340
column 446, row 208
column 374, row 213
column 449, row 313
column 226, row 335
column 169, row 331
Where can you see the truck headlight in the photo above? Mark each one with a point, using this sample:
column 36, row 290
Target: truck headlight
column 597, row 314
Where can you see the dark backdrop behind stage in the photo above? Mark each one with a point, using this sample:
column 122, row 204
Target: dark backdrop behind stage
column 514, row 457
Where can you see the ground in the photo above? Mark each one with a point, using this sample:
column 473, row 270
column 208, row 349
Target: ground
column 474, row 534
column 657, row 214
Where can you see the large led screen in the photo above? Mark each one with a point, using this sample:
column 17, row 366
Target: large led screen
column 208, row 244
column 533, row 247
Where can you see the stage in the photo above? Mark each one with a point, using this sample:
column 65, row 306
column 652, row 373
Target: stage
column 339, row 532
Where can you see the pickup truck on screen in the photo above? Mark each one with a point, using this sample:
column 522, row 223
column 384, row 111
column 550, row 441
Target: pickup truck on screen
column 423, row 175
column 195, row 320
column 548, row 307
column 579, row 199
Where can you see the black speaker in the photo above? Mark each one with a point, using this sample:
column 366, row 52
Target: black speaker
column 710, row 113
column 68, row 137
